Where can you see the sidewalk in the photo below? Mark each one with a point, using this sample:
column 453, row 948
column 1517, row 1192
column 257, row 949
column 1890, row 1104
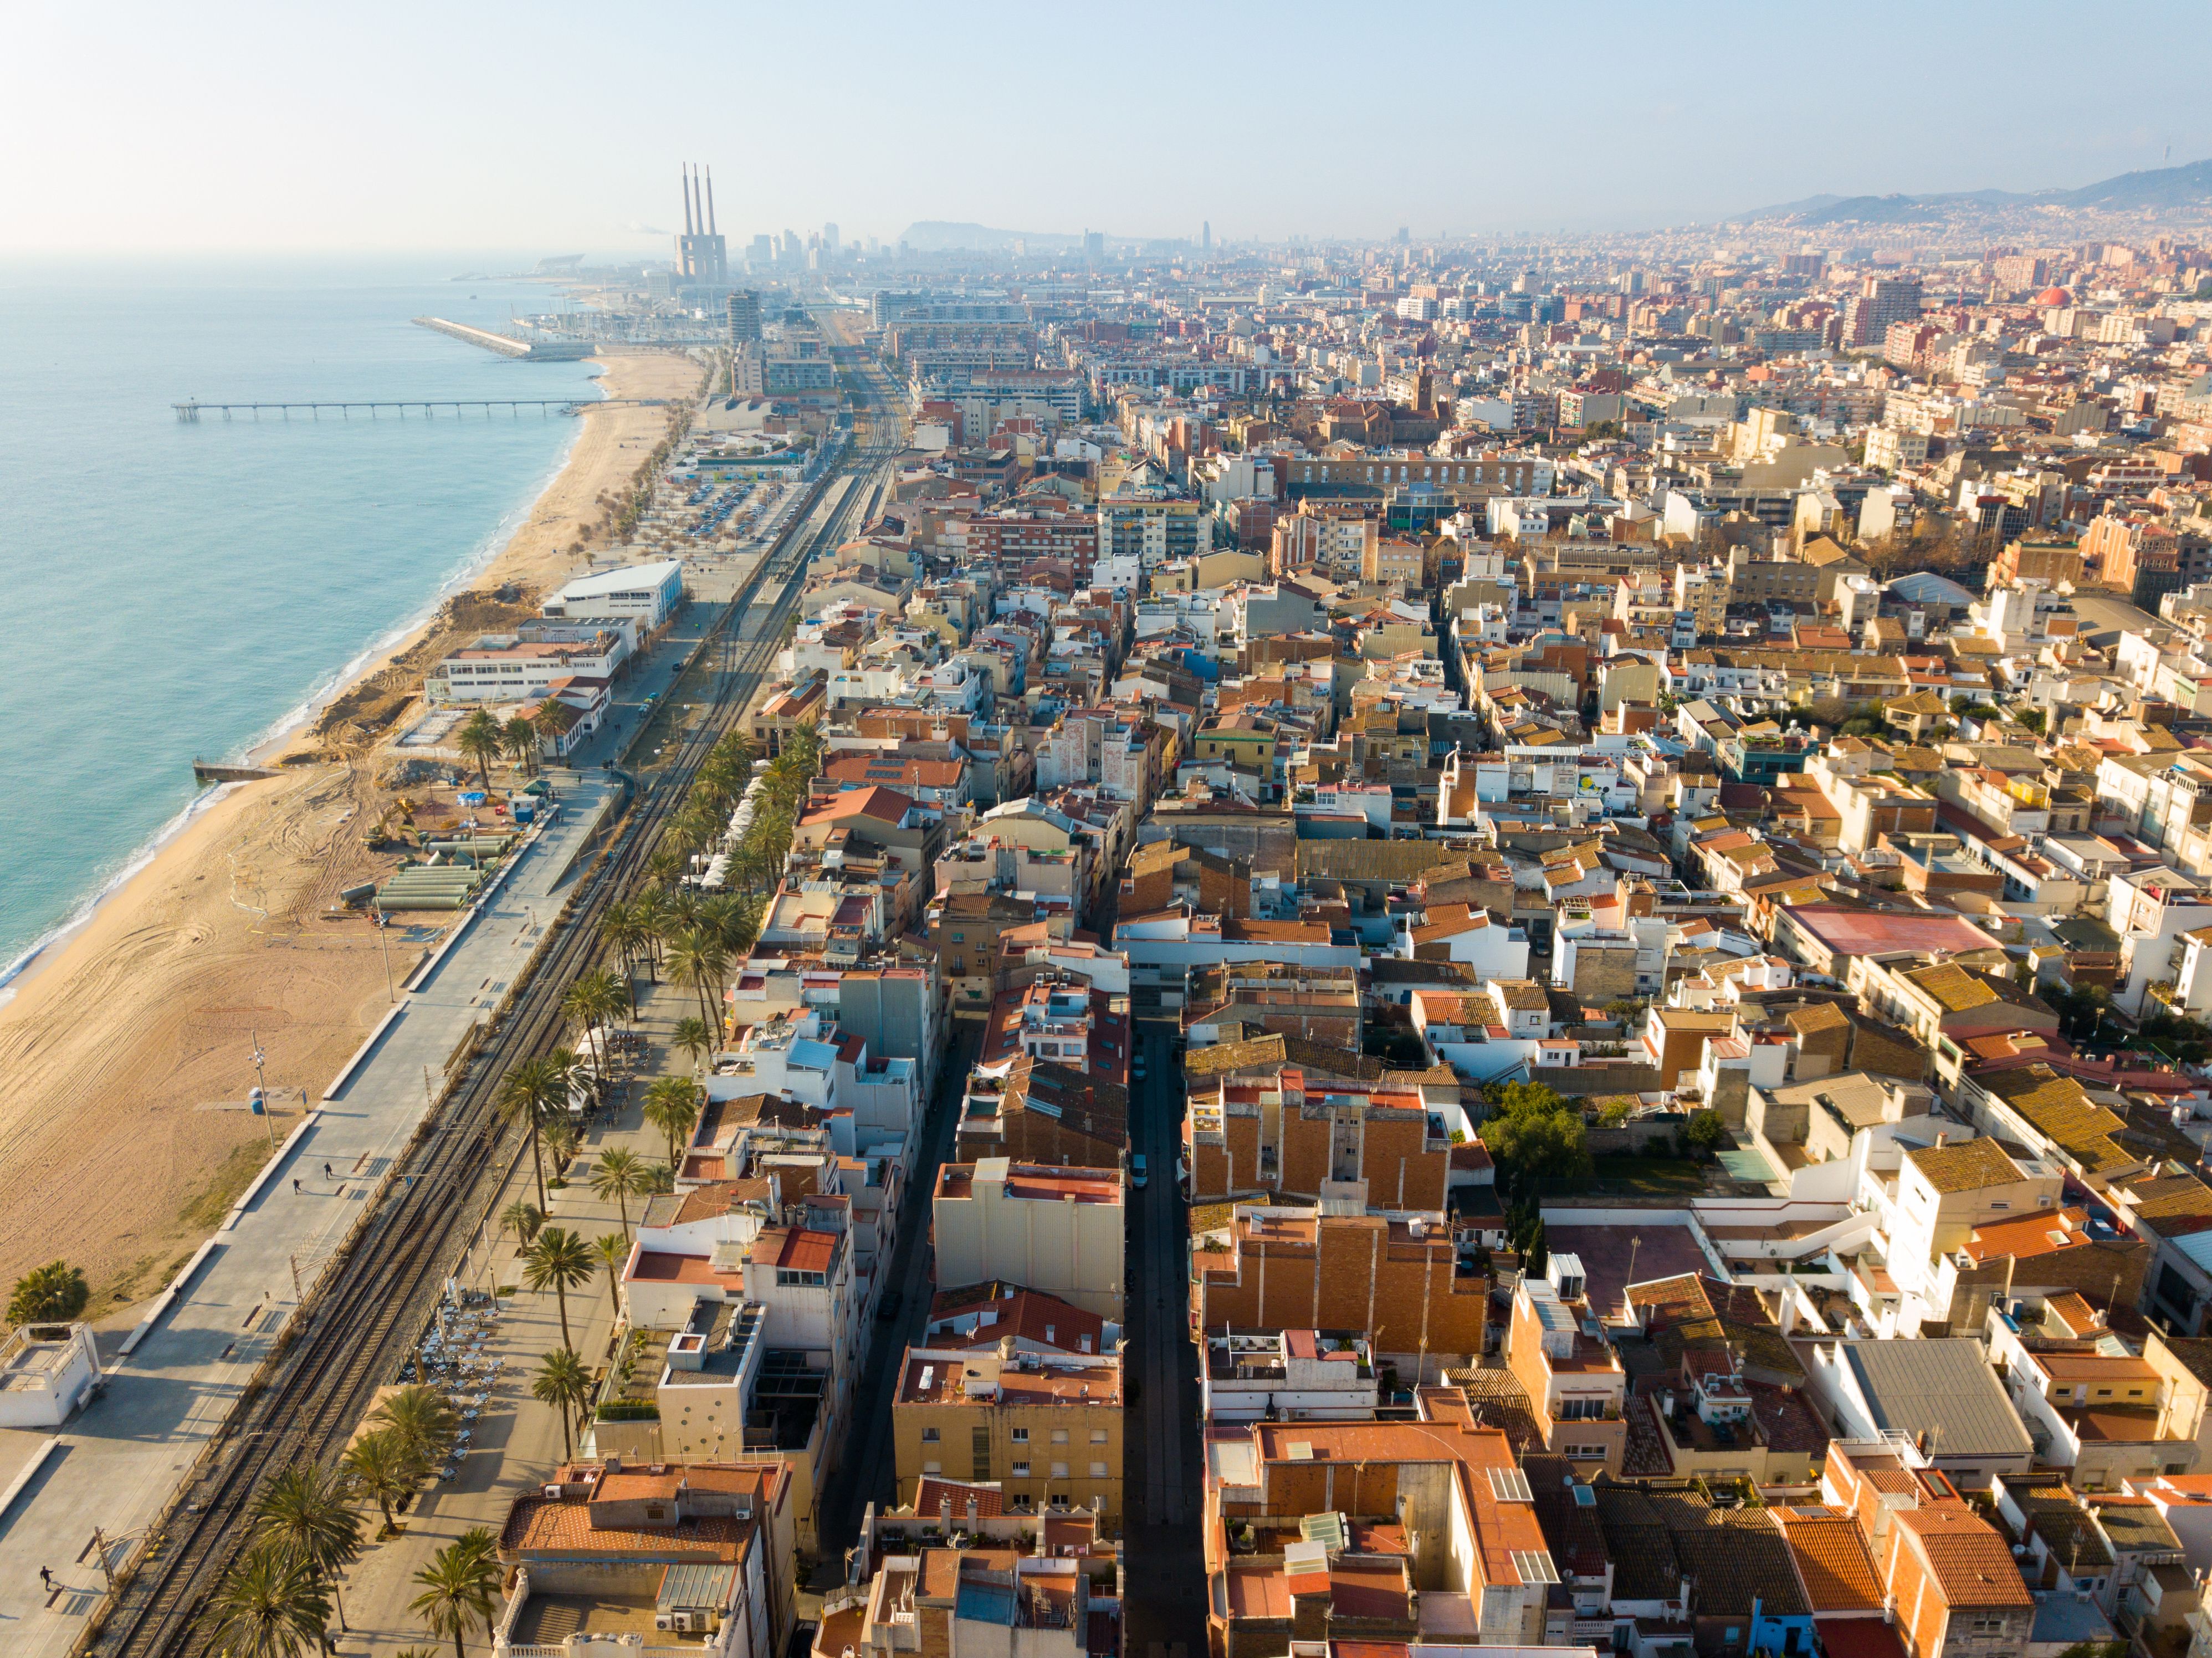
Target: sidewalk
column 120, row 1458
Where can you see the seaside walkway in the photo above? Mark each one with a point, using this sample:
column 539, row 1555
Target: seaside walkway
column 116, row 1463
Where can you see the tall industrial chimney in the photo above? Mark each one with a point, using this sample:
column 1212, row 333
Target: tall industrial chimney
column 687, row 199
column 710, row 201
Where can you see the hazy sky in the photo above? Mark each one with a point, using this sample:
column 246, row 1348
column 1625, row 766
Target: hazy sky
column 557, row 128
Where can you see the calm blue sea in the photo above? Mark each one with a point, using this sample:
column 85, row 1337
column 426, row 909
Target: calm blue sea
column 170, row 589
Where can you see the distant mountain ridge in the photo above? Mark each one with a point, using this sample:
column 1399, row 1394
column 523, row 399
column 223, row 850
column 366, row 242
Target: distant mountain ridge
column 946, row 236
column 2188, row 186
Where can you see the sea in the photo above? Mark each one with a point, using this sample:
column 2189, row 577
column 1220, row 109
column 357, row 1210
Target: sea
column 172, row 590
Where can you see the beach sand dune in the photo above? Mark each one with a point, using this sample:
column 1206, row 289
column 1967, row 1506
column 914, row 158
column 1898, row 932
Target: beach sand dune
column 120, row 1053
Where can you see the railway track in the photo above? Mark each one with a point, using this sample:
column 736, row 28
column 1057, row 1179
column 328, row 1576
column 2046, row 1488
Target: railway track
column 359, row 1327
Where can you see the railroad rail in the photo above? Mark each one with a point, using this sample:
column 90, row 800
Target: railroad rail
column 357, row 1329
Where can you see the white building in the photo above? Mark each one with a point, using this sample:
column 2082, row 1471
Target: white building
column 650, row 592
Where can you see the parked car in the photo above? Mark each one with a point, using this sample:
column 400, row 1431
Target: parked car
column 1137, row 1170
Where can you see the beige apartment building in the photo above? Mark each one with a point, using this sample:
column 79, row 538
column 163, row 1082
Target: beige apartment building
column 1049, row 1228
column 1045, row 1428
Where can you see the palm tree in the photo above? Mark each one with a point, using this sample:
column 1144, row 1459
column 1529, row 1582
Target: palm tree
column 672, row 1105
column 482, row 739
column 381, row 1468
column 560, row 1143
column 304, row 1509
column 454, row 1587
column 648, row 913
column 534, row 1090
column 269, row 1604
column 424, row 1422
column 692, row 1035
column 523, row 1218
column 621, row 933
column 561, row 1261
column 697, row 958
column 478, row 1545
column 580, row 1006
column 563, row 1383
column 620, row 1176
column 519, row 737
column 48, row 1293
column 614, row 1256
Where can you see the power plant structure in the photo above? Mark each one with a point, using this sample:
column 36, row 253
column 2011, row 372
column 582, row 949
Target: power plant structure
column 701, row 258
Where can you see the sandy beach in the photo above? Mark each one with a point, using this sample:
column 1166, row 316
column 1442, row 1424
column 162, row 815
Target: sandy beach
column 127, row 1052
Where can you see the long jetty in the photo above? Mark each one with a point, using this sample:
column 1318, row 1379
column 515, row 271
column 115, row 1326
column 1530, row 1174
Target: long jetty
column 192, row 409
column 508, row 345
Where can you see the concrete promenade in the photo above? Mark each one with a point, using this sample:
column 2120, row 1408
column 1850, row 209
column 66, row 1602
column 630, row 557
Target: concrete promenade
column 119, row 1458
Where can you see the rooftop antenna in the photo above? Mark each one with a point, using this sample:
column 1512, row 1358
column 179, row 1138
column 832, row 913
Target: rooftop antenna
column 710, row 201
column 687, row 199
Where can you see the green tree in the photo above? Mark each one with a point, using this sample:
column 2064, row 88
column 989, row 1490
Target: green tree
column 269, row 1605
column 697, row 958
column 559, row 1260
column 523, row 1218
column 534, row 1090
column 562, row 1383
column 673, row 1105
column 614, row 1256
column 1534, row 1135
column 305, row 1510
column 51, row 1294
column 519, row 737
column 1704, row 1132
column 379, row 1467
column 483, row 740
column 692, row 1035
column 479, row 1547
column 621, row 1175
column 456, row 1586
column 424, row 1423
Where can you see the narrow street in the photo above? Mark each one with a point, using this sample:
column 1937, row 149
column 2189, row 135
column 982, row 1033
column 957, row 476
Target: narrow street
column 866, row 1472
column 1163, row 1545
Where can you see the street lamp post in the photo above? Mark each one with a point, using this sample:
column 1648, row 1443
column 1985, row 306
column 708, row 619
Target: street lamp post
column 261, row 1088
column 382, row 921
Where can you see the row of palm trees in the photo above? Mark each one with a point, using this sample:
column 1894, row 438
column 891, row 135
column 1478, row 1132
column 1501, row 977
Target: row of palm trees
column 279, row 1596
column 280, row 1593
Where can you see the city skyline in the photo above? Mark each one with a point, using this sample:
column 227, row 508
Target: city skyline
column 541, row 129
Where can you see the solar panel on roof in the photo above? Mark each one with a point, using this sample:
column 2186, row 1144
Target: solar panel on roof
column 1510, row 1485
column 1535, row 1566
column 1326, row 1529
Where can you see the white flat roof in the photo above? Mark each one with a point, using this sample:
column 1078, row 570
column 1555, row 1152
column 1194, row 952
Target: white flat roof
column 629, row 579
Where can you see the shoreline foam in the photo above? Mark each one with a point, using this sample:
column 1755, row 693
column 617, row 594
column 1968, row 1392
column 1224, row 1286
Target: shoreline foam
column 275, row 738
column 127, row 1033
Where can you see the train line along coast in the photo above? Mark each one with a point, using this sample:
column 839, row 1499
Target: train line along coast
column 1105, row 951
column 363, row 1188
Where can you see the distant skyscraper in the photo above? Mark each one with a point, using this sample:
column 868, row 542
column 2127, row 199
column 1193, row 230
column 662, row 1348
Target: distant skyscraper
column 830, row 236
column 763, row 253
column 1094, row 246
column 745, row 317
column 700, row 256
column 1206, row 236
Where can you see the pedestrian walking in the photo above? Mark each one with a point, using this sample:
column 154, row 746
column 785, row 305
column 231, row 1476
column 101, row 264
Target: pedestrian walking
column 47, row 1577
column 295, row 1184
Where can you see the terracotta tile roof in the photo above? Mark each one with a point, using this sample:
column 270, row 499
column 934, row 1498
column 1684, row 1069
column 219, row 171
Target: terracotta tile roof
column 932, row 1493
column 536, row 1525
column 1970, row 1562
column 1968, row 1166
column 1832, row 1560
